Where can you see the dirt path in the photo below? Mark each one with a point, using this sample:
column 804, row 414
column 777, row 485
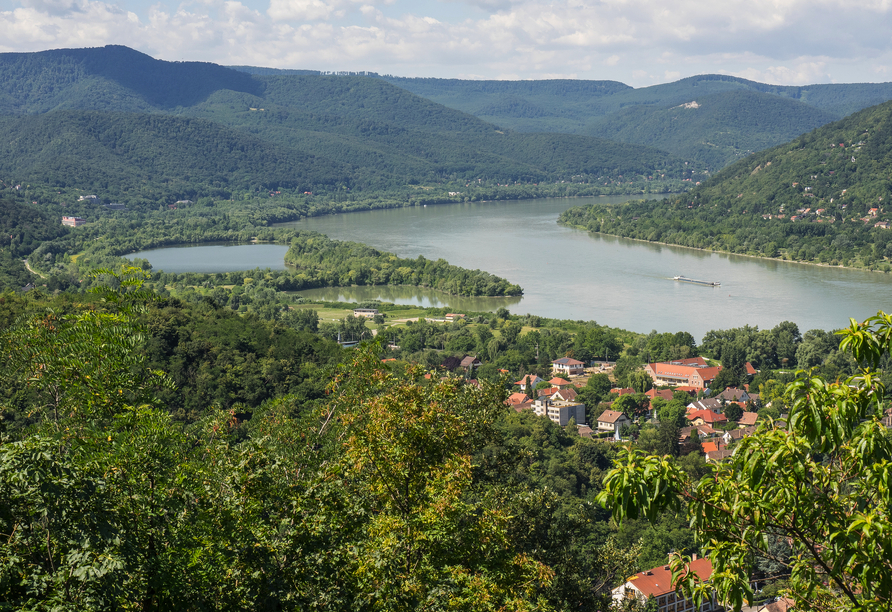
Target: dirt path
column 32, row 270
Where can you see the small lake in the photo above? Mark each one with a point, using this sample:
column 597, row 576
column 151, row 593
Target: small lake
column 215, row 258
column 570, row 274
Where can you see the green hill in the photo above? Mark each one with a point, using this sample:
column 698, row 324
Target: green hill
column 121, row 152
column 817, row 198
column 113, row 118
column 716, row 129
column 109, row 78
column 742, row 115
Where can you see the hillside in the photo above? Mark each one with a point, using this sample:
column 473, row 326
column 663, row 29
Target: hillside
column 122, row 152
column 619, row 112
column 714, row 130
column 822, row 197
column 67, row 113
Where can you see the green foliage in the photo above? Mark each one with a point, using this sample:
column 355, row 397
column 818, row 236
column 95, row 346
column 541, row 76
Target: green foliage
column 721, row 129
column 749, row 207
column 734, row 118
column 86, row 364
column 820, row 484
column 350, row 263
column 99, row 118
column 733, row 411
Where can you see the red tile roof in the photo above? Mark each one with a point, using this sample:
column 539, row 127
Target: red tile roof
column 517, row 398
column 658, row 581
column 666, row 394
column 623, row 391
column 708, row 416
column 711, row 447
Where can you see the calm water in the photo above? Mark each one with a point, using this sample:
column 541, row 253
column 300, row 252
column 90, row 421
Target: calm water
column 570, row 274
column 215, row 258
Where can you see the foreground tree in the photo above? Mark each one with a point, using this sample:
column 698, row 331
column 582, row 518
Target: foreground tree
column 824, row 485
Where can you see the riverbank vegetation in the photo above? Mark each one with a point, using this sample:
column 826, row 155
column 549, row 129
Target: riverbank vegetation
column 214, row 443
column 349, row 263
column 823, row 198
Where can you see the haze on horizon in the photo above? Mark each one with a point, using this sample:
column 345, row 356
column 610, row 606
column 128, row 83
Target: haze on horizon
column 637, row 42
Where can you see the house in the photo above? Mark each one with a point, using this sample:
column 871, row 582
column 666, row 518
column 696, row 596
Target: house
column 453, row 316
column 711, row 447
column 568, row 395
column 748, row 419
column 719, row 455
column 783, row 604
column 548, row 392
column 665, row 394
column 517, row 398
column 568, row 366
column 657, row 583
column 706, row 417
column 560, row 383
column 73, row 221
column 709, row 403
column 365, row 312
column 559, row 411
column 534, row 380
column 88, row 198
column 733, row 394
column 735, row 435
column 620, row 391
column 584, row 431
column 469, row 362
column 882, row 224
column 611, row 420
column 703, row 431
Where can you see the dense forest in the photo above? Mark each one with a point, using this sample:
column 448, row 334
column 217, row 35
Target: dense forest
column 715, row 129
column 351, row 263
column 102, row 118
column 219, row 434
column 736, row 116
column 214, row 445
column 821, row 198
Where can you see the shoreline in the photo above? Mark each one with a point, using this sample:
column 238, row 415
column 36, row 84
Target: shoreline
column 762, row 257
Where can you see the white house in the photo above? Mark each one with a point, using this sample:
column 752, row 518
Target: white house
column 568, row 366
column 611, row 420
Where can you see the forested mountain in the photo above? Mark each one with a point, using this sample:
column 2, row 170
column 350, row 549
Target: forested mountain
column 716, row 129
column 823, row 197
column 737, row 119
column 100, row 122
column 111, row 78
column 120, row 152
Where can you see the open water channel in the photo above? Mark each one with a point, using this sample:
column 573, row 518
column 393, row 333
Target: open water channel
column 571, row 274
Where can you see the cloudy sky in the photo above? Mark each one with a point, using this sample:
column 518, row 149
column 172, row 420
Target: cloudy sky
column 638, row 42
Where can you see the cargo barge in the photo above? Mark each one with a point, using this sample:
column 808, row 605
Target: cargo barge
column 685, row 279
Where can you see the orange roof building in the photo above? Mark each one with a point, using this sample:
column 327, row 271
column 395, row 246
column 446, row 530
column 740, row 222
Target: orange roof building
column 657, row 583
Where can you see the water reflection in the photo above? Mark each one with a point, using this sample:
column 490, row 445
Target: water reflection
column 414, row 296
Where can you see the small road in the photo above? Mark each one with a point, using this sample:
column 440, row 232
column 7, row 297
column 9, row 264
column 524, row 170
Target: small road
column 32, row 270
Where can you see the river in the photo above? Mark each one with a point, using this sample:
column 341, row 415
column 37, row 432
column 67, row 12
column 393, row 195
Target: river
column 570, row 274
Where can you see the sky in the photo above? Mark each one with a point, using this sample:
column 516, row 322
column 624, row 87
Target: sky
column 637, row 42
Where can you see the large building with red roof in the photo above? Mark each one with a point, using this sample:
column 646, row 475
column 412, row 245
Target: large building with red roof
column 657, row 583
column 693, row 372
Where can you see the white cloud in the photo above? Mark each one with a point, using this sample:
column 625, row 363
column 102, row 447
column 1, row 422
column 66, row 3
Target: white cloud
column 635, row 41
